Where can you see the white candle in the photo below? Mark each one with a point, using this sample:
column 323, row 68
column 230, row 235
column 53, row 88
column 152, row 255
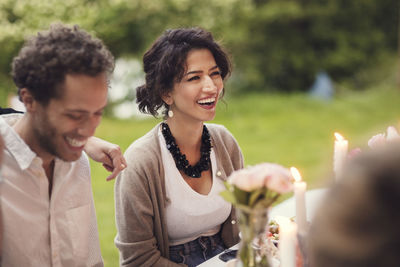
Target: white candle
column 340, row 154
column 299, row 193
column 287, row 244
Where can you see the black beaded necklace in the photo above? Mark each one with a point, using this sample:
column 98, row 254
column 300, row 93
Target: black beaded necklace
column 180, row 159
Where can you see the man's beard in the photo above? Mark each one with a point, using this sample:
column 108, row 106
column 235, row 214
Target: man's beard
column 45, row 134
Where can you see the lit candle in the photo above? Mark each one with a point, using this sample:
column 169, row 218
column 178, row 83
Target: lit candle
column 299, row 193
column 340, row 154
column 287, row 243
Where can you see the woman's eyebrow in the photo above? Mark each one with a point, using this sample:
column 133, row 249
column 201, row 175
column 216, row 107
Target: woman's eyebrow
column 193, row 72
column 199, row 71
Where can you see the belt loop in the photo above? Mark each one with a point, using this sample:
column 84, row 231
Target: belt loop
column 213, row 241
column 183, row 256
column 203, row 245
column 186, row 248
column 202, row 242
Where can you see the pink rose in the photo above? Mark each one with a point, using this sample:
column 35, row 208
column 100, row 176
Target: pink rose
column 354, row 152
column 270, row 175
column 246, row 179
column 377, row 140
column 278, row 179
column 380, row 139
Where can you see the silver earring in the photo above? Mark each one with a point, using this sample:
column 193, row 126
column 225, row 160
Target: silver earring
column 170, row 113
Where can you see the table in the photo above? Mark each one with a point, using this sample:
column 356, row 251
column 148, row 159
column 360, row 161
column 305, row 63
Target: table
column 288, row 209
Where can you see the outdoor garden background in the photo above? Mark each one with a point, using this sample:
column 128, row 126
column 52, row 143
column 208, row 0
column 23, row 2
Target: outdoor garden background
column 278, row 47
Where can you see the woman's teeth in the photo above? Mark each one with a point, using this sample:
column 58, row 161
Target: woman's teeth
column 75, row 142
column 207, row 101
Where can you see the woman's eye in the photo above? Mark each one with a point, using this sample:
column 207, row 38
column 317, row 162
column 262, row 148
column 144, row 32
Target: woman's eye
column 216, row 73
column 193, row 78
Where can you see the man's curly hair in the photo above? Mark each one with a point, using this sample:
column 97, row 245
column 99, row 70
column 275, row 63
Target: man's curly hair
column 45, row 60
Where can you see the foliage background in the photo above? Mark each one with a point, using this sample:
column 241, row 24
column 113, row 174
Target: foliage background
column 277, row 45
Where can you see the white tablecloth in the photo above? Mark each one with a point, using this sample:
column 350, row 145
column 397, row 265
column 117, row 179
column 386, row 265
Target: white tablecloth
column 288, row 209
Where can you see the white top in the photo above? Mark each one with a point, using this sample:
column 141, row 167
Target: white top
column 38, row 231
column 190, row 214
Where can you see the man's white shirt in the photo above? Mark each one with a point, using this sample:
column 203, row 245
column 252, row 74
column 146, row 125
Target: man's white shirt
column 39, row 230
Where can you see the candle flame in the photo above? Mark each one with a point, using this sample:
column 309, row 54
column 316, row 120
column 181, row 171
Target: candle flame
column 339, row 137
column 295, row 173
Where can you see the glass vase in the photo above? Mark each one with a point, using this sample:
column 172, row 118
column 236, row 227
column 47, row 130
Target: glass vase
column 253, row 226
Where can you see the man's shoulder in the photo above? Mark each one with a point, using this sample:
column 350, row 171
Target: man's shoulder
column 8, row 111
column 10, row 119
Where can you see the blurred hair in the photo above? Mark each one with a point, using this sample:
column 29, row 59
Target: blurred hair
column 165, row 63
column 45, row 60
column 358, row 223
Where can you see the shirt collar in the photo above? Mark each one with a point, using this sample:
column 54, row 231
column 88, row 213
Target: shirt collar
column 21, row 152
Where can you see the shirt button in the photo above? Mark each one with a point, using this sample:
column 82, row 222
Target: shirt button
column 219, row 173
column 233, row 222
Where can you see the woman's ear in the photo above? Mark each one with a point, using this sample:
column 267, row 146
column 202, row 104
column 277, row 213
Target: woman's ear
column 27, row 98
column 167, row 98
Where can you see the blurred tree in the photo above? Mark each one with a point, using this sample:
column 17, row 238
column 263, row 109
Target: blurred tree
column 21, row 18
column 277, row 44
column 287, row 41
column 127, row 27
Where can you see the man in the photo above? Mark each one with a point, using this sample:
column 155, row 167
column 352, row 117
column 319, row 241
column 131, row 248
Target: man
column 110, row 155
column 47, row 203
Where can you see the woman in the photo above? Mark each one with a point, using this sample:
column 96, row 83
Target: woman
column 168, row 208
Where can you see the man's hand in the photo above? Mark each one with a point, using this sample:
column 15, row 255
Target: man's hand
column 108, row 154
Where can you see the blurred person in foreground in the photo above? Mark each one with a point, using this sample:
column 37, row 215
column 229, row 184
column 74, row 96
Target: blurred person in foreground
column 48, row 212
column 358, row 222
column 168, row 208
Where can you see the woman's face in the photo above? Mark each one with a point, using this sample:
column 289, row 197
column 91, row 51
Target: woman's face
column 194, row 98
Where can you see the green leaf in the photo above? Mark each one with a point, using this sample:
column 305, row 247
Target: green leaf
column 242, row 197
column 243, row 207
column 228, row 196
column 255, row 196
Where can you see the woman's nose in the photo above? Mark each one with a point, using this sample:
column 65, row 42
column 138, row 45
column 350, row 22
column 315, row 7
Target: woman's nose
column 209, row 84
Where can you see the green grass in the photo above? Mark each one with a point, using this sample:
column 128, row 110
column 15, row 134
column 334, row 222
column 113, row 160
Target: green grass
column 293, row 130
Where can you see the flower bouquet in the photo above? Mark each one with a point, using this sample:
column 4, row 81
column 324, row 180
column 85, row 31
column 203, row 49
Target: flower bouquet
column 252, row 191
column 378, row 141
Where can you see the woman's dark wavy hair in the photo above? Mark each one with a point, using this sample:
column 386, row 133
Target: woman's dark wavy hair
column 45, row 60
column 165, row 63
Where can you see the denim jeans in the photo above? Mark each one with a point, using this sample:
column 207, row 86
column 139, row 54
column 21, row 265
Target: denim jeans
column 197, row 251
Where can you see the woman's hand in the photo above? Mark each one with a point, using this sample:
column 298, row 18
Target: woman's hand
column 107, row 153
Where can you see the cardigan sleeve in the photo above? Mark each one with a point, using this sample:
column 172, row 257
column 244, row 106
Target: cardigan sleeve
column 134, row 210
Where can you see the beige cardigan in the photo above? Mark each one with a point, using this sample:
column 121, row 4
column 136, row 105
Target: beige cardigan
column 140, row 198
